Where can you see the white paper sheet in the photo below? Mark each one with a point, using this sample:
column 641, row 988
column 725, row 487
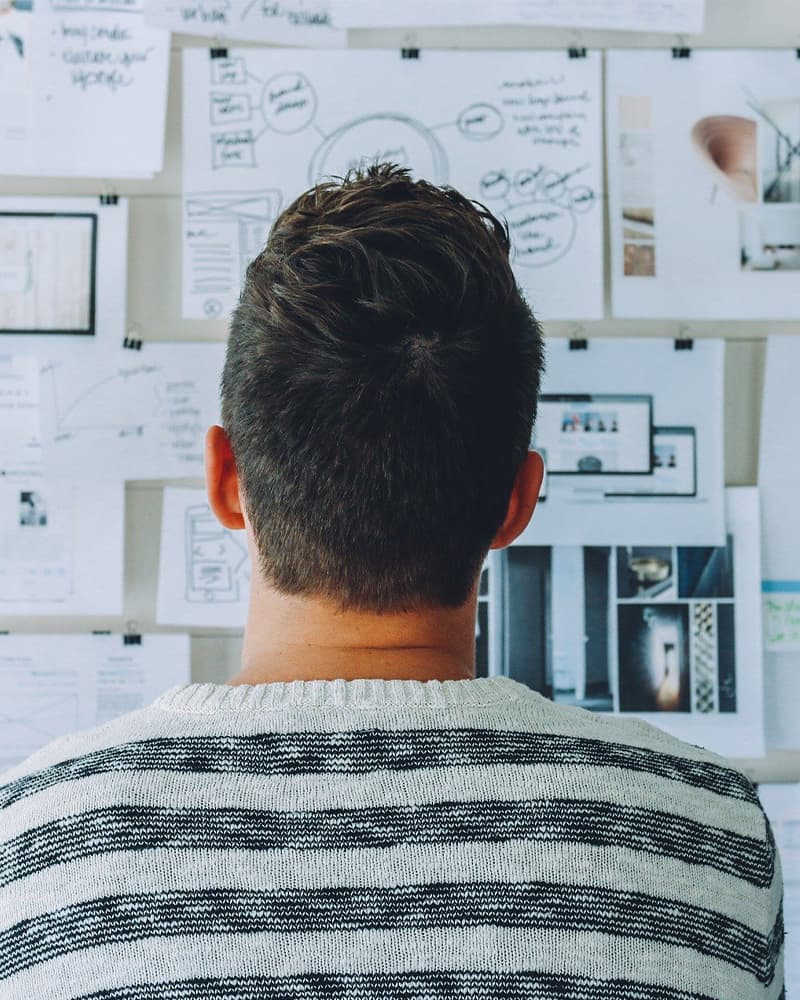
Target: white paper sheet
column 602, row 388
column 682, row 16
column 93, row 102
column 288, row 22
column 781, row 803
column 131, row 414
column 779, row 480
column 53, row 685
column 518, row 131
column 665, row 633
column 20, row 430
column 63, row 274
column 204, row 569
column 724, row 241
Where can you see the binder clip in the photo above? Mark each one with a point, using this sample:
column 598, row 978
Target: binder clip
column 221, row 53
column 681, row 52
column 409, row 53
column 132, row 344
column 132, row 639
column 578, row 344
column 109, row 199
column 576, row 52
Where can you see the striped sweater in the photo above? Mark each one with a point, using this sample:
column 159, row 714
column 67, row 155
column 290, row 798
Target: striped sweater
column 383, row 839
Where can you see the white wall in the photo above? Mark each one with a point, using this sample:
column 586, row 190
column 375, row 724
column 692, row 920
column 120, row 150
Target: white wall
column 154, row 297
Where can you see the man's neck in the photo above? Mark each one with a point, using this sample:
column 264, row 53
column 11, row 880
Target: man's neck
column 300, row 638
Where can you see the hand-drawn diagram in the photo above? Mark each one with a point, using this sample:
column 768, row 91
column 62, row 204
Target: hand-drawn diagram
column 158, row 404
column 521, row 136
column 217, row 564
column 30, row 720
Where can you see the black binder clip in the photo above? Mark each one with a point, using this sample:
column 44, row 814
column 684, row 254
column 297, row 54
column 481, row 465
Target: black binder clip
column 574, row 52
column 218, row 53
column 409, row 53
column 132, row 639
column 132, row 344
column 109, row 199
column 681, row 52
column 578, row 344
column 684, row 344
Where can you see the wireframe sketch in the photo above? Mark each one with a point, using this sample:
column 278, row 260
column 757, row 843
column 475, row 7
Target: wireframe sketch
column 47, row 272
column 217, row 564
column 515, row 134
column 224, row 232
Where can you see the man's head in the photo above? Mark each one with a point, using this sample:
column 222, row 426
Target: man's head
column 378, row 394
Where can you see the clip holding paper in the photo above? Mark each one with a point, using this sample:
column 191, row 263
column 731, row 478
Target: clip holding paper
column 132, row 639
column 684, row 344
column 681, row 52
column 576, row 52
column 132, row 344
column 578, row 344
column 409, row 53
column 109, row 199
column 220, row 53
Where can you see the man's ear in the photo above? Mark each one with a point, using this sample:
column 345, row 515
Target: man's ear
column 522, row 502
column 222, row 479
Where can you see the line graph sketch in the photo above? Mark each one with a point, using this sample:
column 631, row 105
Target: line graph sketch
column 519, row 132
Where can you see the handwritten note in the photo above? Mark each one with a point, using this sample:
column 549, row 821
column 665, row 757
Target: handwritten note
column 519, row 132
column 131, row 414
column 286, row 22
column 99, row 90
column 782, row 622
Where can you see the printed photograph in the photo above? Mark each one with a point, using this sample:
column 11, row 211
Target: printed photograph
column 32, row 509
column 769, row 237
column 653, row 657
column 706, row 572
column 645, row 573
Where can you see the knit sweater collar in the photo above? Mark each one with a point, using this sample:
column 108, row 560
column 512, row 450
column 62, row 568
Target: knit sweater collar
column 370, row 692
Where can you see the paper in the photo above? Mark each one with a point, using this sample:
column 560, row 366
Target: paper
column 724, row 243
column 92, row 102
column 20, row 431
column 681, row 16
column 16, row 26
column 204, row 569
column 131, row 414
column 631, row 431
column 670, row 634
column 287, row 22
column 779, row 481
column 63, row 272
column 518, row 131
column 53, row 685
column 781, row 803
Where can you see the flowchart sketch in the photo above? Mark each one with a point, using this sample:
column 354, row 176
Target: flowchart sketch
column 520, row 132
column 131, row 414
column 52, row 685
column 288, row 22
column 724, row 243
column 680, row 16
column 63, row 267
column 204, row 569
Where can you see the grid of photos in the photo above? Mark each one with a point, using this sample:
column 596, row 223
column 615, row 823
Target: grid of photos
column 629, row 629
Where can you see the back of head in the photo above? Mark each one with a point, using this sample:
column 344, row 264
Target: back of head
column 379, row 392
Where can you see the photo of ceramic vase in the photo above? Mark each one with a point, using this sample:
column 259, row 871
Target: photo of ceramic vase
column 727, row 145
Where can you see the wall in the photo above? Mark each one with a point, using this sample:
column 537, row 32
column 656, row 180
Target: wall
column 154, row 296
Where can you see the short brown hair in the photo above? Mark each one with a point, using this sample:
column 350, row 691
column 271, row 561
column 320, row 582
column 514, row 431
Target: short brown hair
column 379, row 391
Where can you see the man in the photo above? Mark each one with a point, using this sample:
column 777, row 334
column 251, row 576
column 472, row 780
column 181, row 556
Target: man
column 355, row 815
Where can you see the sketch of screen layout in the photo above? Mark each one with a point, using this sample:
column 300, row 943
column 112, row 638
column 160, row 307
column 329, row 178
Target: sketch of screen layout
column 47, row 272
column 596, row 434
column 216, row 564
column 224, row 231
column 674, row 467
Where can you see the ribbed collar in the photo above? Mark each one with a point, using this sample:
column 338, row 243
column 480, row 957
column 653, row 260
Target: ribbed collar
column 370, row 692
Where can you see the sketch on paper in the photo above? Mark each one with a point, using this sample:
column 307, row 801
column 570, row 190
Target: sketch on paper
column 520, row 135
column 47, row 272
column 285, row 22
column 131, row 415
column 217, row 564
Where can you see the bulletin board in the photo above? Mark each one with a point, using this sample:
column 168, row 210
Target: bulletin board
column 154, row 305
